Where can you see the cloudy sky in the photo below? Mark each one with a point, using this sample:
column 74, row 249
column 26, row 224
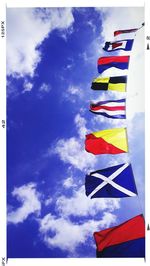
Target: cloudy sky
column 51, row 61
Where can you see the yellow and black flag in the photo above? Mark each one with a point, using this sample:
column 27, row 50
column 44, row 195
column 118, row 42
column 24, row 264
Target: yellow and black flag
column 110, row 83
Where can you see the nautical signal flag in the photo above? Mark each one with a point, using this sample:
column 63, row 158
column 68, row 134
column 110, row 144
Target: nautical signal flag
column 126, row 240
column 113, row 182
column 111, row 109
column 117, row 83
column 120, row 62
column 117, row 32
column 125, row 45
column 108, row 141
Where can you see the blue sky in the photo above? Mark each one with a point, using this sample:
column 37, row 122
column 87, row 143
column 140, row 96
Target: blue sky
column 49, row 72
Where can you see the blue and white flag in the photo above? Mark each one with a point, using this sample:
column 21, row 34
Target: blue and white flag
column 125, row 45
column 111, row 109
column 113, row 182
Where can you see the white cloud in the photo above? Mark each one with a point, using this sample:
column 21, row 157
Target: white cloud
column 80, row 205
column 69, row 182
column 27, row 86
column 74, row 90
column 48, row 201
column 71, row 151
column 72, row 93
column 97, row 120
column 26, row 30
column 115, row 19
column 50, row 226
column 69, row 66
column 80, row 123
column 29, row 198
column 92, row 25
column 67, row 235
column 43, row 90
column 135, row 85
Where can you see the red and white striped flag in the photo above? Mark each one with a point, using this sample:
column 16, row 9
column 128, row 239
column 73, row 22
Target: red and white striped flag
column 110, row 109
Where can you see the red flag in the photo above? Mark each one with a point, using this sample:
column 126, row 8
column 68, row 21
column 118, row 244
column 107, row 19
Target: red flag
column 124, row 240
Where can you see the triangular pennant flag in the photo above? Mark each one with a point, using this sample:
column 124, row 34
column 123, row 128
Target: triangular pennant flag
column 117, row 32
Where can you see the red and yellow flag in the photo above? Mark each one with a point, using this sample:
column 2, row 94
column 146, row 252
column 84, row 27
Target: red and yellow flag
column 109, row 141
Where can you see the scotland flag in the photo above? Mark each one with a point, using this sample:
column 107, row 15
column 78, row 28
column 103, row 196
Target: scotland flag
column 112, row 182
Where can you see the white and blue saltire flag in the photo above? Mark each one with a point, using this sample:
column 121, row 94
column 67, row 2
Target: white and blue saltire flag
column 113, row 182
column 125, row 45
column 111, row 109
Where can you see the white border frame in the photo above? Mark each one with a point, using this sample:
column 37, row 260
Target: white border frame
column 67, row 3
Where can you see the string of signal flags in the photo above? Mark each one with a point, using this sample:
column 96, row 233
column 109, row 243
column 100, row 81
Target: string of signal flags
column 127, row 239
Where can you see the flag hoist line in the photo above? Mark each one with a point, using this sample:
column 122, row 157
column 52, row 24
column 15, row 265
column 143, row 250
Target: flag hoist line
column 111, row 109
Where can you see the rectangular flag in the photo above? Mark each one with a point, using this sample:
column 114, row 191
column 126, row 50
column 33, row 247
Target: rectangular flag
column 117, row 32
column 126, row 240
column 120, row 62
column 112, row 109
column 108, row 141
column 117, row 83
column 125, row 45
column 113, row 182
